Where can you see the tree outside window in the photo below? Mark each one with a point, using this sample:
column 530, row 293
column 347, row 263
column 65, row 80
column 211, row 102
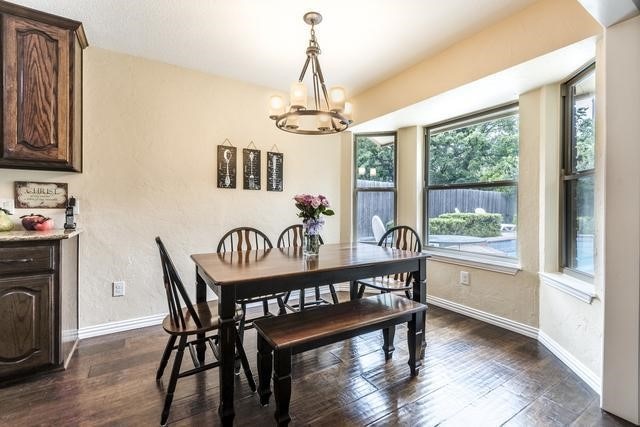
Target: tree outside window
column 471, row 185
column 375, row 184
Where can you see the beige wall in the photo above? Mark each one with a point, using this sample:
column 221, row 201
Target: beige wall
column 150, row 135
column 621, row 373
column 545, row 26
column 410, row 176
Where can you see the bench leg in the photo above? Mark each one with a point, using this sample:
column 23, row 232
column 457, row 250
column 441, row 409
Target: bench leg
column 282, row 385
column 388, row 335
column 265, row 361
column 415, row 334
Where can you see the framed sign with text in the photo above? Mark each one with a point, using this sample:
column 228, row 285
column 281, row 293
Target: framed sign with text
column 41, row 195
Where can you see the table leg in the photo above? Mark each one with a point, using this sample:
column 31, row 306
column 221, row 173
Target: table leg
column 353, row 290
column 227, row 337
column 420, row 295
column 415, row 353
column 388, row 336
column 201, row 296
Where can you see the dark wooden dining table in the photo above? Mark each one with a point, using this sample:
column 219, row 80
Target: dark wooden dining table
column 245, row 274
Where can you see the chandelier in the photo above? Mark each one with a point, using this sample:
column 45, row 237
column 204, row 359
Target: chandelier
column 328, row 112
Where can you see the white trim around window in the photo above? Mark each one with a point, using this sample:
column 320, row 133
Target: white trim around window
column 468, row 259
column 577, row 288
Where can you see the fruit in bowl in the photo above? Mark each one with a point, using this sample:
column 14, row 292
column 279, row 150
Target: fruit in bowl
column 37, row 222
column 5, row 222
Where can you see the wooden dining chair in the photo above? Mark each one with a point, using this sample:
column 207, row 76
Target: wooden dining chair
column 246, row 239
column 399, row 237
column 292, row 236
column 184, row 321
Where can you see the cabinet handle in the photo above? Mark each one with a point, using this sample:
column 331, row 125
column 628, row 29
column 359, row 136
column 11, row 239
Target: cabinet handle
column 14, row 261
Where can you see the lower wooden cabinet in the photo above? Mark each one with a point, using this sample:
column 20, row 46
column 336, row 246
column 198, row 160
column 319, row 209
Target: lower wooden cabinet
column 26, row 323
column 38, row 306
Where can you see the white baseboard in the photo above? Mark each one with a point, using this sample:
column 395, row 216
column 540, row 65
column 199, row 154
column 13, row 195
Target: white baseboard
column 120, row 326
column 570, row 360
column 590, row 378
column 585, row 374
column 503, row 322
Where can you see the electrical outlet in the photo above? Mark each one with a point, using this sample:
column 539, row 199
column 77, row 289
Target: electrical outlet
column 9, row 205
column 118, row 289
column 464, row 278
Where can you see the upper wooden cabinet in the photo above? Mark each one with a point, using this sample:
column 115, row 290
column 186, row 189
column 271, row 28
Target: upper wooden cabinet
column 41, row 90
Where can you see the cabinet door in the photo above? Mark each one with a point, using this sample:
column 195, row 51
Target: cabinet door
column 37, row 72
column 26, row 324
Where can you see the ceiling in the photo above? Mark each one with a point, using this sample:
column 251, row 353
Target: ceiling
column 264, row 42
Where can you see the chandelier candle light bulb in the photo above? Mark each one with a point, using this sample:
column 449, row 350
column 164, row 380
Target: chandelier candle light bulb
column 298, row 95
column 348, row 111
column 337, row 98
column 324, row 122
column 327, row 112
column 276, row 106
column 291, row 123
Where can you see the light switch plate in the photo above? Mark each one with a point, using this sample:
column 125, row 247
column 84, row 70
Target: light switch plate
column 9, row 205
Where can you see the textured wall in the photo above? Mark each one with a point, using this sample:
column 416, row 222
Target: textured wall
column 150, row 135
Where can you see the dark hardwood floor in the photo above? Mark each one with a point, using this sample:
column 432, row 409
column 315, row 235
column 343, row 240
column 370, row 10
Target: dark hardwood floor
column 473, row 374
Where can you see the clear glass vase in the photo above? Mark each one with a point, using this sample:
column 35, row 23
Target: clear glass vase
column 311, row 244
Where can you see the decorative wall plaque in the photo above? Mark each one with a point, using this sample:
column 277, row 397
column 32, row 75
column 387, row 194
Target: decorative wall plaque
column 41, row 195
column 274, row 171
column 226, row 166
column 251, row 169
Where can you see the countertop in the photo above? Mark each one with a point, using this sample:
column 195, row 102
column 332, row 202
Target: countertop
column 24, row 235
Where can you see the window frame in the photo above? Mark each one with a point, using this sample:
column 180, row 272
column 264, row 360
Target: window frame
column 356, row 189
column 480, row 116
column 566, row 179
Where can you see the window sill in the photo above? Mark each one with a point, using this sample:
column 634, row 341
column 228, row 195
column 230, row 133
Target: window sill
column 504, row 267
column 577, row 288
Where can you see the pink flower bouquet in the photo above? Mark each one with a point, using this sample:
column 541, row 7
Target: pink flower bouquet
column 311, row 207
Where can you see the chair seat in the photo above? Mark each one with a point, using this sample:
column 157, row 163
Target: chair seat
column 386, row 284
column 208, row 314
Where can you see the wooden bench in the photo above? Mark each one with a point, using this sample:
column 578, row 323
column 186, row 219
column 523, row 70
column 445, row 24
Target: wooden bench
column 295, row 333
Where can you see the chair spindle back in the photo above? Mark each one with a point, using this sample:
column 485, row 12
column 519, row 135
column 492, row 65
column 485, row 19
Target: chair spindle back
column 244, row 239
column 176, row 294
column 401, row 237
